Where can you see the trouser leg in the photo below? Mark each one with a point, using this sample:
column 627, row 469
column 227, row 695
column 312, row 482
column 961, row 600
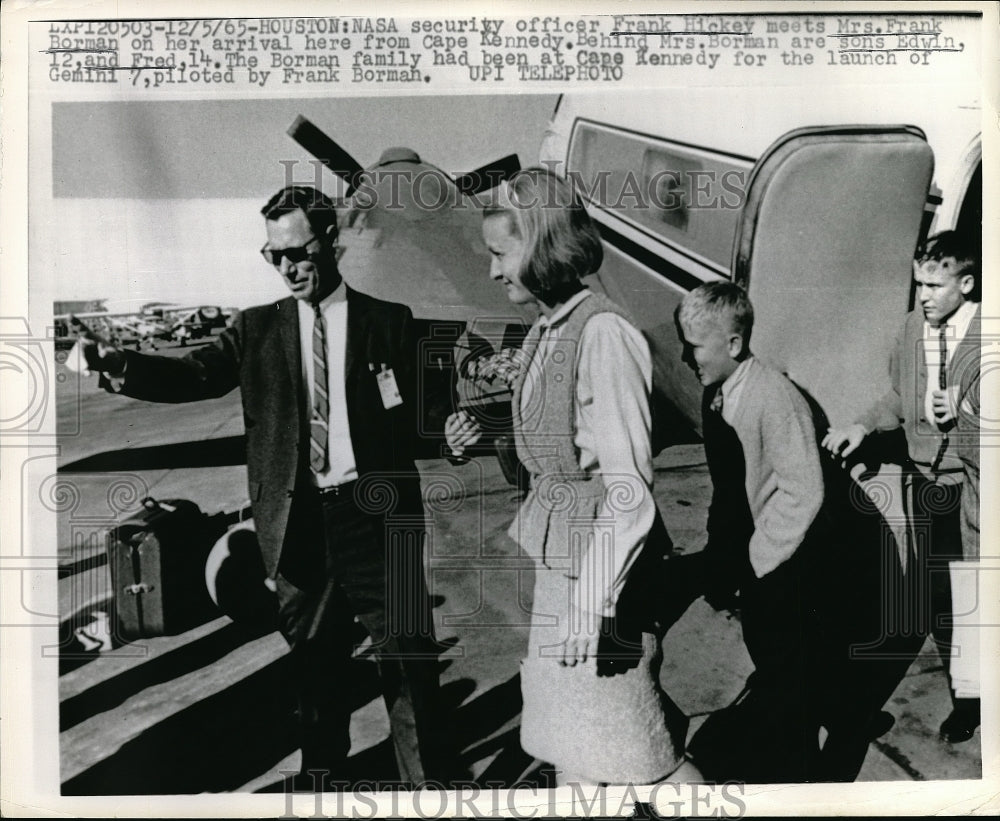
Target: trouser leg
column 941, row 508
column 410, row 686
column 318, row 629
column 777, row 636
column 945, row 547
column 937, row 508
column 387, row 590
column 407, row 653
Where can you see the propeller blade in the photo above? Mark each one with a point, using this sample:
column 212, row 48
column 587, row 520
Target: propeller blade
column 326, row 151
column 488, row 176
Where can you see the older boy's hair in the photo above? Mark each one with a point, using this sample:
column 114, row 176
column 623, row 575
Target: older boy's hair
column 952, row 245
column 724, row 304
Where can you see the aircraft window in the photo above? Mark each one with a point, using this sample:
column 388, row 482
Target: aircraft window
column 686, row 197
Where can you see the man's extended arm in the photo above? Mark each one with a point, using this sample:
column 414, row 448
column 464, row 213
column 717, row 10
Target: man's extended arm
column 208, row 372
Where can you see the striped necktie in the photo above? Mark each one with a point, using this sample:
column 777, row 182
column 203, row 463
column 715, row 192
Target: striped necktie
column 943, row 348
column 942, row 385
column 319, row 437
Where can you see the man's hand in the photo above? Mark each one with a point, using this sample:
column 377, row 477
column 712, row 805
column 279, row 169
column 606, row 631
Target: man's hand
column 944, row 406
column 99, row 353
column 585, row 631
column 461, row 431
column 844, row 441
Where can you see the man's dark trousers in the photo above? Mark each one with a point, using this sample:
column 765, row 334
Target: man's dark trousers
column 356, row 562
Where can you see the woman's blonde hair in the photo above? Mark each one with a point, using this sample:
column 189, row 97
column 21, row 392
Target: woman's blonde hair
column 562, row 244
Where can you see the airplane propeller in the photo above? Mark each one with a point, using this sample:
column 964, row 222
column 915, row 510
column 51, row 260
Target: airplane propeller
column 327, row 152
column 488, row 176
column 341, row 163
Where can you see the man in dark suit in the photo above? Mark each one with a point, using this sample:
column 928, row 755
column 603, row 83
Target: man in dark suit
column 328, row 379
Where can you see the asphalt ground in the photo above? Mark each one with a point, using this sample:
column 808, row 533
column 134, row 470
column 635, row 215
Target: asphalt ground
column 208, row 710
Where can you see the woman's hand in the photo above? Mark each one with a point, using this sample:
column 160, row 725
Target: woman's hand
column 585, row 630
column 461, row 431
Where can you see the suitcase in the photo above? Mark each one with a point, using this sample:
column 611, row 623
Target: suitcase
column 157, row 560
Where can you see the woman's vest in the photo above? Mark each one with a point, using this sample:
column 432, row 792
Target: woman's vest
column 557, row 515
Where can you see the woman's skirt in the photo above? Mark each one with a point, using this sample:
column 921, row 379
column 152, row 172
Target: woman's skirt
column 616, row 729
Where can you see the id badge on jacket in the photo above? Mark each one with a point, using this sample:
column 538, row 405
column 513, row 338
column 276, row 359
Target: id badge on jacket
column 387, row 387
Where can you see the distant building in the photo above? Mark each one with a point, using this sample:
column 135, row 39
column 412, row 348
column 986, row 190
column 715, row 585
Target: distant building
column 78, row 306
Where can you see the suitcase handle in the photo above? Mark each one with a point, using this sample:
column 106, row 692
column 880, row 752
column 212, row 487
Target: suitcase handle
column 151, row 504
column 233, row 517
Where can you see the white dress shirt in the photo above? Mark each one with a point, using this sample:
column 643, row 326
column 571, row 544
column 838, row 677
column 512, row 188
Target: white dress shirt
column 732, row 389
column 341, row 463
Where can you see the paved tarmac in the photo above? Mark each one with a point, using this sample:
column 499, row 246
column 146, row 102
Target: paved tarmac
column 208, row 710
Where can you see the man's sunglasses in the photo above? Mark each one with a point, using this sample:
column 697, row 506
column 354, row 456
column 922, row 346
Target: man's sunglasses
column 293, row 255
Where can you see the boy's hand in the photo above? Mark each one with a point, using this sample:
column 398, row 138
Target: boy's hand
column 844, row 441
column 99, row 353
column 943, row 403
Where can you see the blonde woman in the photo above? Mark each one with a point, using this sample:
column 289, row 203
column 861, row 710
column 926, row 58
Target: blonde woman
column 582, row 429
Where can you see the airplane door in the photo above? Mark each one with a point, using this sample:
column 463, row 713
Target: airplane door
column 824, row 246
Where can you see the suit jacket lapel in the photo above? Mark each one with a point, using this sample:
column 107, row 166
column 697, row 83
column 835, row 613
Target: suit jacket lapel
column 288, row 326
column 919, row 352
column 968, row 353
column 355, row 350
column 973, row 339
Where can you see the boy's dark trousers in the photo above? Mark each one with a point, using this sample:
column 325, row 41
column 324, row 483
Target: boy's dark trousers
column 780, row 638
column 771, row 736
column 776, row 727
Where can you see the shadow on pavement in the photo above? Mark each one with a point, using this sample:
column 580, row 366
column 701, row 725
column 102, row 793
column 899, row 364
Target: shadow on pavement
column 226, row 451
column 213, row 745
column 170, row 665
